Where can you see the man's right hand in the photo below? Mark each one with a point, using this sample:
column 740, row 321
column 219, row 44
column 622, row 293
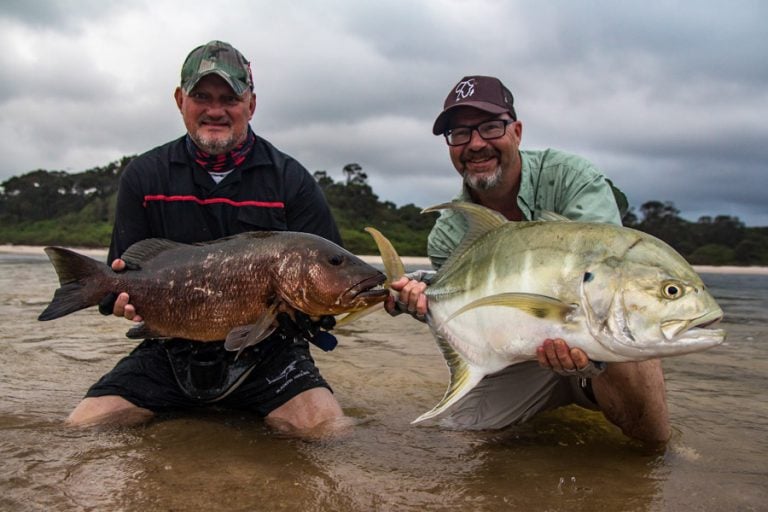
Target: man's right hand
column 411, row 299
column 121, row 306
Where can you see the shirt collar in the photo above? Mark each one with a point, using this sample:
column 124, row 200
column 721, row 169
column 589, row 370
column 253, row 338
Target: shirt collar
column 258, row 156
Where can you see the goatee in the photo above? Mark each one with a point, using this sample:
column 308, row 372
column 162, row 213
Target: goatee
column 215, row 146
column 482, row 183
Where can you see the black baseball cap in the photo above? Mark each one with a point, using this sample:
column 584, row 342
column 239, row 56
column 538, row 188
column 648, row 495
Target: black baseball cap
column 485, row 93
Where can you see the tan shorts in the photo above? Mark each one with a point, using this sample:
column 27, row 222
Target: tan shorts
column 514, row 395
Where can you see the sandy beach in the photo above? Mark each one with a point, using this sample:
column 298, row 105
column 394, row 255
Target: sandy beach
column 373, row 259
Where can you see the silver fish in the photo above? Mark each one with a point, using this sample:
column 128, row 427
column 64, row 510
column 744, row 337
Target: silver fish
column 618, row 294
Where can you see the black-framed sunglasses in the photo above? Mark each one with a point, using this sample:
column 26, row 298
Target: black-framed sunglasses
column 488, row 130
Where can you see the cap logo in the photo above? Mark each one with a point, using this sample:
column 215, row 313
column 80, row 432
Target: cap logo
column 206, row 65
column 465, row 89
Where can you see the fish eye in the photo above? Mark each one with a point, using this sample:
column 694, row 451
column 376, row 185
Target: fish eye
column 672, row 290
column 336, row 260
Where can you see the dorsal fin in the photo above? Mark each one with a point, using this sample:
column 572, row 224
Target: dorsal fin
column 552, row 216
column 147, row 249
column 481, row 220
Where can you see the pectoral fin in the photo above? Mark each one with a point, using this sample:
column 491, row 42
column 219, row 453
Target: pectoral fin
column 245, row 336
column 540, row 306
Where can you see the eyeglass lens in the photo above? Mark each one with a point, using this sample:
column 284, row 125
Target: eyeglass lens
column 488, row 130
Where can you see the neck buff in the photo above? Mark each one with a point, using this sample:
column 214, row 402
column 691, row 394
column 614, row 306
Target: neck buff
column 225, row 161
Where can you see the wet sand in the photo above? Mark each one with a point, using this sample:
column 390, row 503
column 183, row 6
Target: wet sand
column 385, row 372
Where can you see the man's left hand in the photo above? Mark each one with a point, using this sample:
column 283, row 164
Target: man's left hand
column 558, row 357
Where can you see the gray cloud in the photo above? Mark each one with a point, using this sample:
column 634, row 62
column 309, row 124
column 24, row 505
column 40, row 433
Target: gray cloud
column 61, row 15
column 670, row 100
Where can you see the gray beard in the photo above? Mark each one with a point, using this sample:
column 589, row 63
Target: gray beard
column 482, row 183
column 216, row 146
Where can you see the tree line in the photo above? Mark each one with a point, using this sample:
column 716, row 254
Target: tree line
column 55, row 207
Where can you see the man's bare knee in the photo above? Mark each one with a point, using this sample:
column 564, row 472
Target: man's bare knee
column 107, row 410
column 633, row 397
column 307, row 414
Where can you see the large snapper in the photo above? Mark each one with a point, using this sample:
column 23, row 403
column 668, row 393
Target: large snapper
column 231, row 288
column 614, row 292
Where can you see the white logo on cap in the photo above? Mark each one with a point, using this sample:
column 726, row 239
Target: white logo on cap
column 465, row 89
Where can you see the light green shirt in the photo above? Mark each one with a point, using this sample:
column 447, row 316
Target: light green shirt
column 551, row 180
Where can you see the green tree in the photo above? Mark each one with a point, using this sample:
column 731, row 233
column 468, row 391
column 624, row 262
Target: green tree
column 663, row 221
column 752, row 249
column 55, row 207
column 711, row 254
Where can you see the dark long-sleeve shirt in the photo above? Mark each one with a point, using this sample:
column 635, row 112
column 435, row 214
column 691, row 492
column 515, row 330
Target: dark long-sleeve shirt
column 164, row 194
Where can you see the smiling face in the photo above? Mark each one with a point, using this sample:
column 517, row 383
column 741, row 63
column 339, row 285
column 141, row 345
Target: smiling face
column 216, row 119
column 486, row 164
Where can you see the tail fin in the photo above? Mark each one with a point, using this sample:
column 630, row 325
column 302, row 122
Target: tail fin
column 83, row 282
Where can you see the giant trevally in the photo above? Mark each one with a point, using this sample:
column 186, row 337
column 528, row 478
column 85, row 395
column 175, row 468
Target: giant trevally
column 231, row 288
column 617, row 293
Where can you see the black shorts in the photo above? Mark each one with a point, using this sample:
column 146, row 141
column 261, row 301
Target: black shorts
column 282, row 370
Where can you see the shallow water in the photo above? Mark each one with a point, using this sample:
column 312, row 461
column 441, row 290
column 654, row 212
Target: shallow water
column 385, row 372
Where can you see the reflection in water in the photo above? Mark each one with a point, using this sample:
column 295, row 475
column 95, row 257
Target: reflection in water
column 385, row 373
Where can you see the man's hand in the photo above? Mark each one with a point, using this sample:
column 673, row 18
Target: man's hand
column 558, row 357
column 411, row 300
column 119, row 303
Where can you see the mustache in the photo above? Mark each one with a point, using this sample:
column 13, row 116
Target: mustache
column 482, row 154
column 209, row 119
column 479, row 154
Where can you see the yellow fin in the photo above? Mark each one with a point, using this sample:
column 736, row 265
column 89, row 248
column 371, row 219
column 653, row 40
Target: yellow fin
column 540, row 306
column 480, row 220
column 464, row 377
column 393, row 265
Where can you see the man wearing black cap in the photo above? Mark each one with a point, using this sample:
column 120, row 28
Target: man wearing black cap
column 483, row 134
column 217, row 180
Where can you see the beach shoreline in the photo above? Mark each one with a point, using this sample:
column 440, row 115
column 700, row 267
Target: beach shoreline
column 376, row 260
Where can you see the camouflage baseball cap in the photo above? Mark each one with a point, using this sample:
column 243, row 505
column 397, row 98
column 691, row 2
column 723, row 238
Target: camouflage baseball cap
column 485, row 93
column 219, row 58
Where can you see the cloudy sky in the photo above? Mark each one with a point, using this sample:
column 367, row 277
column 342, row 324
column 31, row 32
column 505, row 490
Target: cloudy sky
column 669, row 99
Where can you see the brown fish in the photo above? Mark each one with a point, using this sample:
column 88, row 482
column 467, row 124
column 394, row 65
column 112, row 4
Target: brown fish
column 230, row 288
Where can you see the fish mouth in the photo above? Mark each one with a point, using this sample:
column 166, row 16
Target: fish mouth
column 370, row 290
column 698, row 328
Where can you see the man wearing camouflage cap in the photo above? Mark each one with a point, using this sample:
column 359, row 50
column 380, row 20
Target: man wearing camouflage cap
column 483, row 135
column 218, row 180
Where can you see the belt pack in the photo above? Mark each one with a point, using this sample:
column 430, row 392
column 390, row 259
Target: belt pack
column 206, row 371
